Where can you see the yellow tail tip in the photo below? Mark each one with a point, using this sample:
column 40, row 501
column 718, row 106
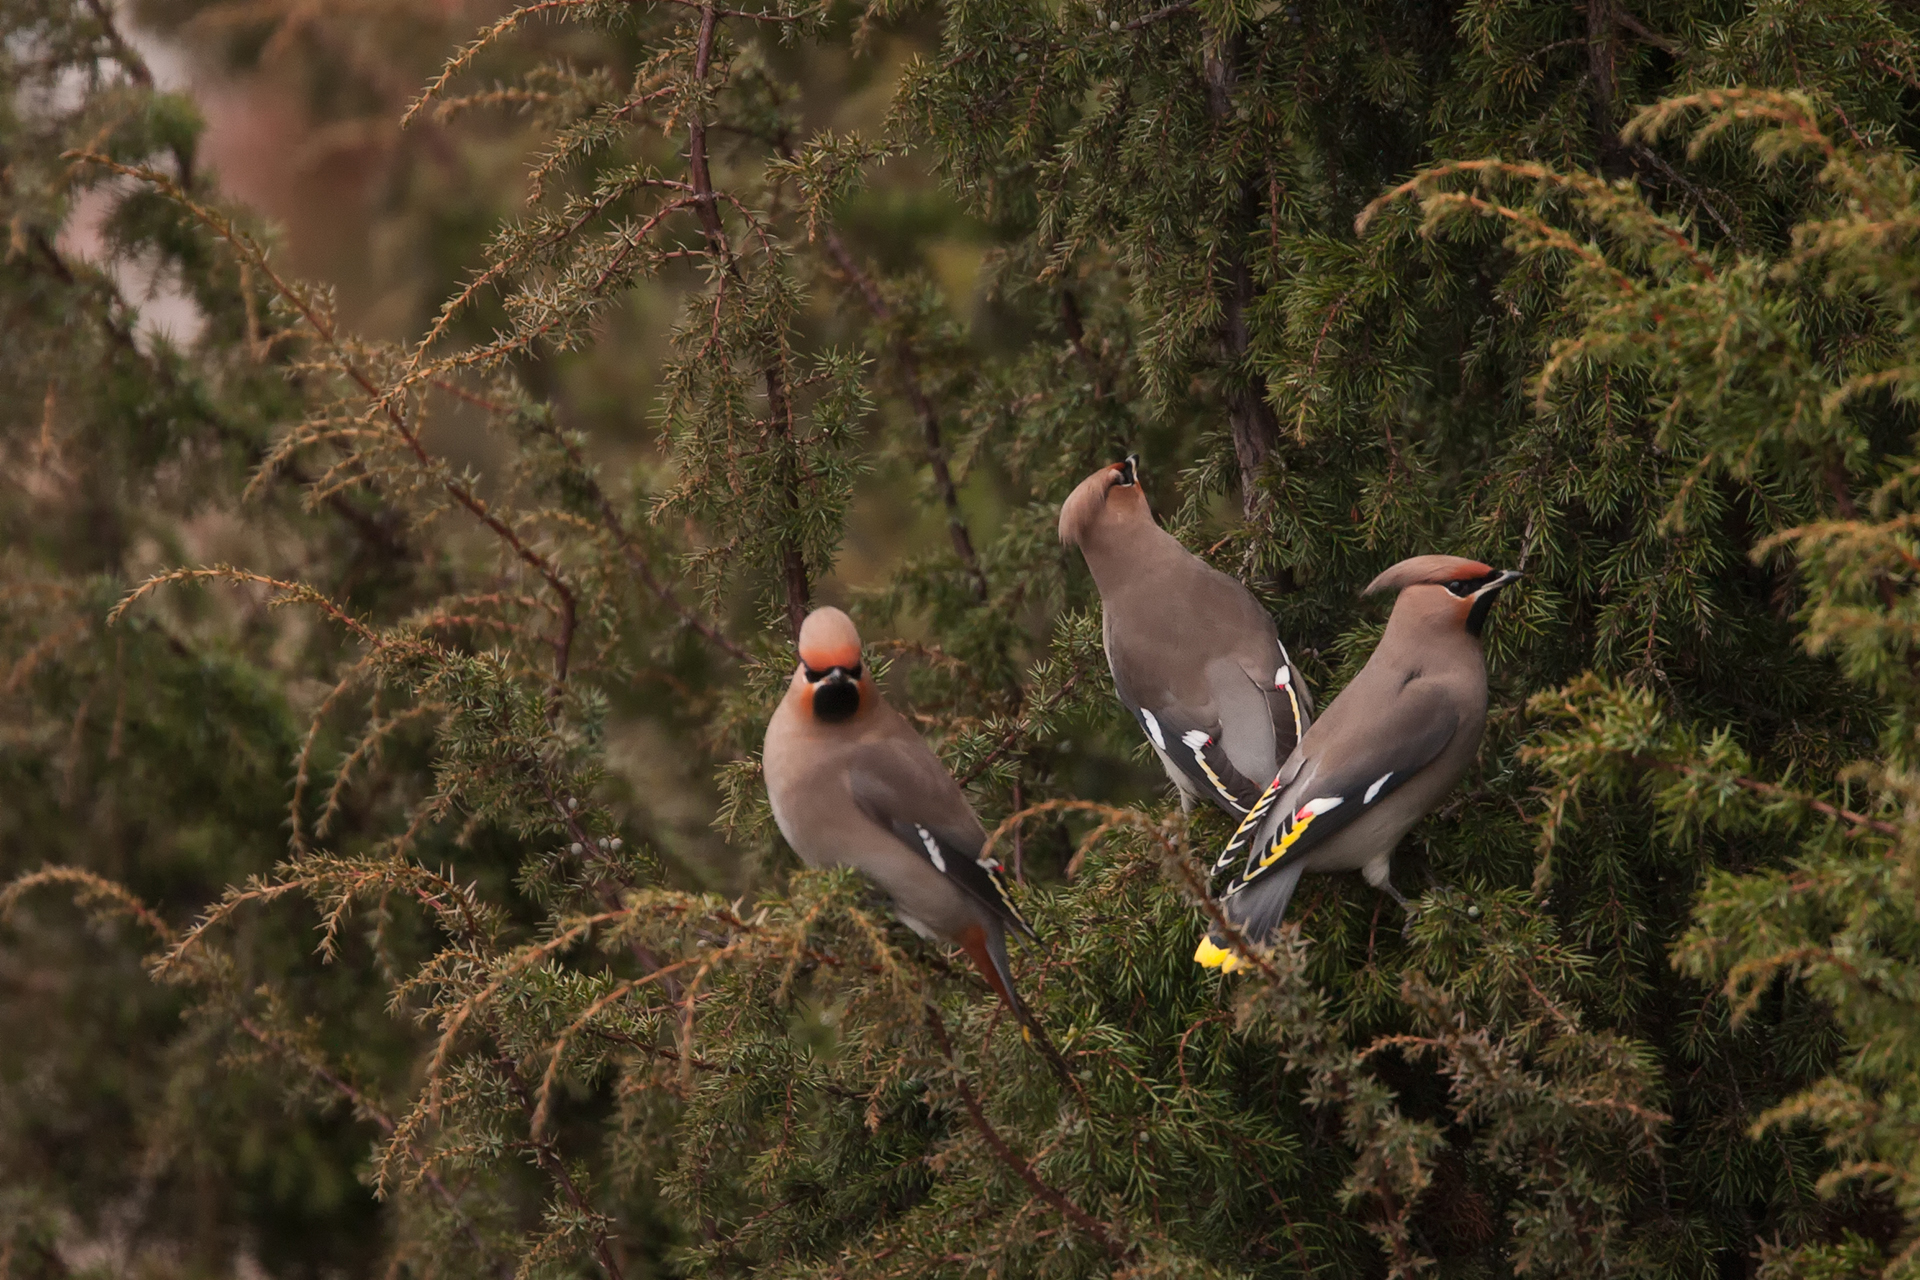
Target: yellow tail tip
column 1208, row 956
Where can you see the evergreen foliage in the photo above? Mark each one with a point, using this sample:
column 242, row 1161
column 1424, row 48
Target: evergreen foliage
column 1624, row 298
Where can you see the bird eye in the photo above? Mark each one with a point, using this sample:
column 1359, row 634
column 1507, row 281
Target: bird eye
column 1465, row 587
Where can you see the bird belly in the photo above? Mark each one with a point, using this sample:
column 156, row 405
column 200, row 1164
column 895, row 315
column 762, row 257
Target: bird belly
column 786, row 828
column 1370, row 840
column 916, row 925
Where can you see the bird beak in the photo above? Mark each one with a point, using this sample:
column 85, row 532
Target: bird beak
column 1506, row 579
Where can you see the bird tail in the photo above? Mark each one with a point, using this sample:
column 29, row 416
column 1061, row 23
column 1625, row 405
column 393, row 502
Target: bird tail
column 1256, row 910
column 986, row 946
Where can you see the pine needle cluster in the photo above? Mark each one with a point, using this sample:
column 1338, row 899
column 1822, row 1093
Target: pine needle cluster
column 1623, row 298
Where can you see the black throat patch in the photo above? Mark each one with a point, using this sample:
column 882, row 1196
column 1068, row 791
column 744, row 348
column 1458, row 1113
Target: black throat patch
column 836, row 699
column 1477, row 616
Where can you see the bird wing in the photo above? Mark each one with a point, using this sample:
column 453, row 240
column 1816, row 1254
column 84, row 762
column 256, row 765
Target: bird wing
column 1329, row 784
column 1290, row 687
column 1193, row 743
column 911, row 794
column 1191, row 713
column 1289, row 701
column 1191, row 737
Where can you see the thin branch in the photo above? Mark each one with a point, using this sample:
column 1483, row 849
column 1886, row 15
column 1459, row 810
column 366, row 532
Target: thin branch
column 909, row 363
column 737, row 13
column 370, row 1110
column 637, row 558
column 556, row 1168
column 123, row 53
column 1774, row 791
column 1077, row 342
column 793, row 563
column 1252, row 424
column 1165, row 11
column 603, row 889
column 453, row 486
column 1021, row 727
column 1639, row 29
column 1098, row 1231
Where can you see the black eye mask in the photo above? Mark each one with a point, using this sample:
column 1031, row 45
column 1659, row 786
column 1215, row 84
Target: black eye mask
column 1128, row 475
column 1465, row 587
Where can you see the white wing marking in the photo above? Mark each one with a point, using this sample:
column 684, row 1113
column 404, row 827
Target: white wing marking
column 933, row 849
column 1374, row 790
column 1153, row 729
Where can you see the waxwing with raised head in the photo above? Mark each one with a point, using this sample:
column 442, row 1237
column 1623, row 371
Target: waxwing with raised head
column 1384, row 754
column 1194, row 656
column 852, row 785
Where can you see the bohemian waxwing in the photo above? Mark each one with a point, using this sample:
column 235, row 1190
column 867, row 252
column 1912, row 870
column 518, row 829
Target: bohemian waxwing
column 1388, row 748
column 1194, row 656
column 852, row 785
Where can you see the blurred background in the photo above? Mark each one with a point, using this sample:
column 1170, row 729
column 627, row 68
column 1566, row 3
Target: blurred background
column 110, row 1159
column 130, row 1145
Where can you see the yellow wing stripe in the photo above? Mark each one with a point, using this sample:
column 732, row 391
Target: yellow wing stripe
column 1250, row 823
column 1293, row 702
column 1278, row 849
column 992, row 867
column 1200, row 758
column 1302, row 819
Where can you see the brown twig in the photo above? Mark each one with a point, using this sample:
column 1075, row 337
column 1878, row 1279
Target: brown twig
column 370, row 1110
column 1252, row 424
column 1020, row 728
column 123, row 53
column 602, row 888
column 1077, row 342
column 1165, row 11
column 549, row 1159
column 909, row 364
column 637, row 558
column 1639, row 29
column 374, row 530
column 1859, row 821
column 452, row 485
column 1101, row 1233
column 793, row 564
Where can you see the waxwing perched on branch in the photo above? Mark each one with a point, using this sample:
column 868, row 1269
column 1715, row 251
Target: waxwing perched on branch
column 852, row 785
column 1389, row 747
column 1194, row 656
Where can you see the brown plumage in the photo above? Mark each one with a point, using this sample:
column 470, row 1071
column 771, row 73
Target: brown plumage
column 1382, row 756
column 1194, row 656
column 852, row 784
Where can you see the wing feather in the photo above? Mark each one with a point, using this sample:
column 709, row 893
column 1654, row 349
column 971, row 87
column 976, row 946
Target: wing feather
column 1327, row 786
column 919, row 802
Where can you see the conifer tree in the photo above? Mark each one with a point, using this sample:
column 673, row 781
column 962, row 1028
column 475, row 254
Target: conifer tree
column 1621, row 297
